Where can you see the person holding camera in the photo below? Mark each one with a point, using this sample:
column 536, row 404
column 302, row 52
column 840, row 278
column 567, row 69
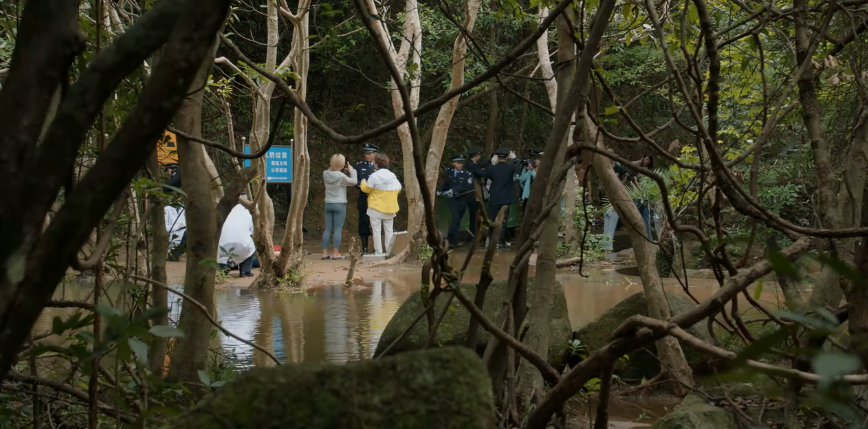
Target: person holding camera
column 337, row 178
column 460, row 187
column 527, row 176
column 502, row 174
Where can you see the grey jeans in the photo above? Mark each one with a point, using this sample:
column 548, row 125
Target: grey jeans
column 335, row 214
column 610, row 225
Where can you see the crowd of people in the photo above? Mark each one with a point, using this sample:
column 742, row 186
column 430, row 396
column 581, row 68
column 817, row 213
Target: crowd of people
column 377, row 203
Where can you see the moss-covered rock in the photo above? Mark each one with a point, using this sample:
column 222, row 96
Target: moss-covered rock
column 453, row 329
column 441, row 388
column 694, row 413
column 641, row 364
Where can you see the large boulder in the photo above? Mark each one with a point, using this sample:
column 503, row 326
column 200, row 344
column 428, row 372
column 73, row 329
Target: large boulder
column 695, row 413
column 440, row 388
column 453, row 328
column 641, row 364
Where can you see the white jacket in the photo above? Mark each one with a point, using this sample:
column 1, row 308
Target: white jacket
column 236, row 238
column 176, row 223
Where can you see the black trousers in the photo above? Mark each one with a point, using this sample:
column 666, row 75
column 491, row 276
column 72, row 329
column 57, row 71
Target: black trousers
column 364, row 220
column 492, row 214
column 245, row 266
column 457, row 207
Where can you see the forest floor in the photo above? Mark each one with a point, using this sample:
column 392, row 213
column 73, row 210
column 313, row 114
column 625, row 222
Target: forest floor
column 319, row 272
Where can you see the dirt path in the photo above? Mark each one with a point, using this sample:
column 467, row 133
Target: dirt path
column 318, row 272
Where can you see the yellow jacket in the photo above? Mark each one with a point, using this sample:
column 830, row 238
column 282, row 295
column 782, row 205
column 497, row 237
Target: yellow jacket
column 382, row 189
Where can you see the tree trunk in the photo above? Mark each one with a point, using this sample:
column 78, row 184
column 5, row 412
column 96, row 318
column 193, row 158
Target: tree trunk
column 159, row 251
column 447, row 111
column 292, row 252
column 668, row 350
column 263, row 213
column 522, row 119
column 411, row 42
column 191, row 352
column 539, row 316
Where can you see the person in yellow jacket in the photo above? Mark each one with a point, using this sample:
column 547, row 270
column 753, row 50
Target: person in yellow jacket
column 382, row 188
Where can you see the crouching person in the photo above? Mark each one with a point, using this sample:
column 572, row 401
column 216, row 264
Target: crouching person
column 236, row 247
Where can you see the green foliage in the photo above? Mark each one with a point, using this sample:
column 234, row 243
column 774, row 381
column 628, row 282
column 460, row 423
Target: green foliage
column 293, row 279
column 425, row 252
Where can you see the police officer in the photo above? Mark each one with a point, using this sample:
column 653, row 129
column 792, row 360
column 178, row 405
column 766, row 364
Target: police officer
column 502, row 174
column 475, row 165
column 365, row 169
column 461, row 189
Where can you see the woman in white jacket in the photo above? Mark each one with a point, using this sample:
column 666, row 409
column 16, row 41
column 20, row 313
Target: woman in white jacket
column 382, row 188
column 336, row 183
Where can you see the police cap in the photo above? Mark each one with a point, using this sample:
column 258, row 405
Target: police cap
column 458, row 158
column 474, row 150
column 502, row 152
column 369, row 147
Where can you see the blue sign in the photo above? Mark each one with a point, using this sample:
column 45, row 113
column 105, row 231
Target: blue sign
column 278, row 163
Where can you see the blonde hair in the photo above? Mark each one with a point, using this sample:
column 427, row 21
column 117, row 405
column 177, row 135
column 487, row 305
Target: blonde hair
column 337, row 163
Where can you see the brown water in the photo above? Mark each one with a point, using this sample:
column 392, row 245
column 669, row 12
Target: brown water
column 332, row 324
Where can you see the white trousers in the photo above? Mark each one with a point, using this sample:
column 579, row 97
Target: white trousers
column 386, row 226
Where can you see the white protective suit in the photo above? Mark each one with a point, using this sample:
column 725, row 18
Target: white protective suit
column 176, row 225
column 236, row 238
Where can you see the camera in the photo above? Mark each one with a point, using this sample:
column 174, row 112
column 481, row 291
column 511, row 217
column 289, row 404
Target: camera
column 527, row 163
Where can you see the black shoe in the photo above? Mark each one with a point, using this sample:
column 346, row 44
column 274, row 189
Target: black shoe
column 245, row 275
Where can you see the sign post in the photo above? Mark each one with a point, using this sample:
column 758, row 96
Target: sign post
column 278, row 163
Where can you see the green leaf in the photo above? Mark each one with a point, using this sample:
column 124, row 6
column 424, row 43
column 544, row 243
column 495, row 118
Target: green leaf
column 140, row 349
column 627, row 10
column 204, row 377
column 611, row 110
column 821, row 326
column 760, row 346
column 165, row 331
column 692, row 13
column 57, row 325
column 782, row 265
column 842, row 269
column 833, row 364
column 759, row 290
column 210, row 262
column 107, row 310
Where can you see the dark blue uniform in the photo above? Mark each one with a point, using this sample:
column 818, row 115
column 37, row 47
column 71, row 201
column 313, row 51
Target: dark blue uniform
column 365, row 169
column 502, row 192
column 463, row 186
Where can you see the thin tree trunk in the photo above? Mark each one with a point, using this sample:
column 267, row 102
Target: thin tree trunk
column 522, row 121
column 191, row 352
column 411, row 43
column 539, row 316
column 447, row 111
column 292, row 252
column 669, row 351
column 263, row 214
column 159, row 251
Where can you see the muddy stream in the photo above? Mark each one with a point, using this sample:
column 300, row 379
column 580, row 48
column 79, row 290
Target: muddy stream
column 328, row 323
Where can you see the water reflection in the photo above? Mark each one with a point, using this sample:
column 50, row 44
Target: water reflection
column 333, row 324
column 324, row 324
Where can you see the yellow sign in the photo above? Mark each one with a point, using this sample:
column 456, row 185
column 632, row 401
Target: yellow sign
column 167, row 149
